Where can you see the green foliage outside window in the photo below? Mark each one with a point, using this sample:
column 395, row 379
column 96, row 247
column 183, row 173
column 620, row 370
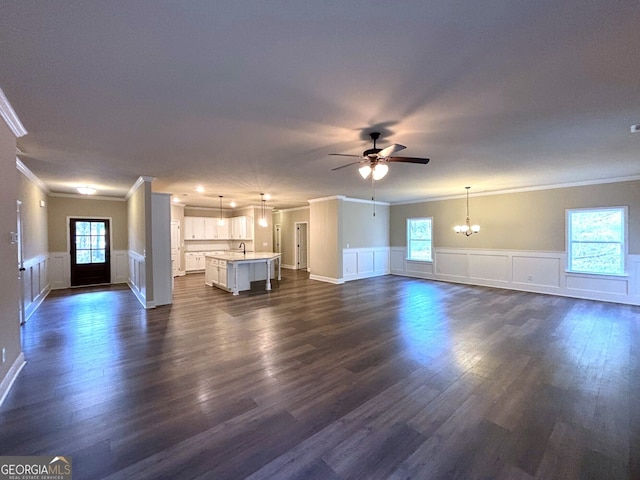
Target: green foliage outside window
column 596, row 240
column 419, row 239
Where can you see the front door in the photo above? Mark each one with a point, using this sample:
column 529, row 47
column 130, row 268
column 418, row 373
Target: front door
column 90, row 251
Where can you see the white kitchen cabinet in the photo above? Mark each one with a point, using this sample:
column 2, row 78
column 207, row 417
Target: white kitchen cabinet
column 207, row 228
column 210, row 230
column 194, row 261
column 241, row 228
column 214, row 231
column 194, row 228
column 223, row 274
column 222, row 231
column 211, row 271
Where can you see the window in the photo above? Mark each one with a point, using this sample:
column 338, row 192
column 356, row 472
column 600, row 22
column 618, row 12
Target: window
column 419, row 239
column 596, row 240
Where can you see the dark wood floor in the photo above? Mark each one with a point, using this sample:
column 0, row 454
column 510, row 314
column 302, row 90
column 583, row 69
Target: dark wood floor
column 384, row 378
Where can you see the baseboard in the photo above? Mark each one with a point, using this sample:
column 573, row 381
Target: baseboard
column 33, row 306
column 137, row 293
column 336, row 281
column 12, row 374
column 289, row 267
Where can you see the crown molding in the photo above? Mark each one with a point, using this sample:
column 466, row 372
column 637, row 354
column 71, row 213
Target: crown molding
column 11, row 117
column 586, row 183
column 87, row 197
column 285, row 210
column 22, row 168
column 370, row 202
column 326, row 199
column 139, row 182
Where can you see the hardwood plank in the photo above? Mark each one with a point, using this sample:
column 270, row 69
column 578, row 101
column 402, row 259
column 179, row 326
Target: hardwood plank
column 314, row 380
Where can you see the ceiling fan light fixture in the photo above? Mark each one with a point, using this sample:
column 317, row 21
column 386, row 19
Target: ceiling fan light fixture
column 364, row 171
column 380, row 170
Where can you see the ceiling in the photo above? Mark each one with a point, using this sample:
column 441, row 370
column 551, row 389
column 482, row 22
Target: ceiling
column 249, row 97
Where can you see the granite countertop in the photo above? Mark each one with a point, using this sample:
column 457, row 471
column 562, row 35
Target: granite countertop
column 247, row 257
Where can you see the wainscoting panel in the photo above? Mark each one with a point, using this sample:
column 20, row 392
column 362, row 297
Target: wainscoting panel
column 539, row 272
column 35, row 282
column 60, row 268
column 137, row 277
column 451, row 264
column 589, row 283
column 397, row 259
column 489, row 267
column 119, row 266
column 365, row 262
column 418, row 269
column 381, row 261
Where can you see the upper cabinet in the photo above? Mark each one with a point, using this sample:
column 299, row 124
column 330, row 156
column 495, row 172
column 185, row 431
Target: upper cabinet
column 241, row 228
column 194, row 228
column 207, row 228
column 214, row 231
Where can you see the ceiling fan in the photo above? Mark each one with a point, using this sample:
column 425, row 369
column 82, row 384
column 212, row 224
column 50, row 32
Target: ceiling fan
column 375, row 159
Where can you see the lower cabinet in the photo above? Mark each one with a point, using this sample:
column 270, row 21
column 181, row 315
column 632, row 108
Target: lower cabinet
column 194, row 262
column 223, row 277
column 211, row 271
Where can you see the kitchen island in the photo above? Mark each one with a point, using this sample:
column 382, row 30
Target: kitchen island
column 234, row 271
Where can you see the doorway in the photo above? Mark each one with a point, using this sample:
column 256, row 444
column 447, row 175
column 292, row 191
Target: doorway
column 90, row 243
column 175, row 247
column 277, row 241
column 21, row 270
column 302, row 243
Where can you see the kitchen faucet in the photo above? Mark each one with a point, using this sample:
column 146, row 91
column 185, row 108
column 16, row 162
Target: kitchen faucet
column 243, row 247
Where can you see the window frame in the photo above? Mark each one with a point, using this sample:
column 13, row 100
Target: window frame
column 408, row 239
column 625, row 239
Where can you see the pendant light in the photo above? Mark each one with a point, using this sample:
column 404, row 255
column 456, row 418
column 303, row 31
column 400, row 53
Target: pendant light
column 263, row 220
column 467, row 229
column 220, row 219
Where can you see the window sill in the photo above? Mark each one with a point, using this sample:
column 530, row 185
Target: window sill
column 419, row 261
column 598, row 275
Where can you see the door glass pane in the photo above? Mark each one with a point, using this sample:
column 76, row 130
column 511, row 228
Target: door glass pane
column 83, row 256
column 83, row 228
column 97, row 228
column 83, row 242
column 97, row 256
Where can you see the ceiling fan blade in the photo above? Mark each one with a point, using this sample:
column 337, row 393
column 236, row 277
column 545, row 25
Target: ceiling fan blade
column 347, row 165
column 422, row 161
column 345, row 155
column 390, row 150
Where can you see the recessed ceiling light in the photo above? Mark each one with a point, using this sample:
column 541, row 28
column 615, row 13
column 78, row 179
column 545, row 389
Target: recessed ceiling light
column 232, row 204
column 86, row 190
column 267, row 196
column 199, row 189
column 176, row 200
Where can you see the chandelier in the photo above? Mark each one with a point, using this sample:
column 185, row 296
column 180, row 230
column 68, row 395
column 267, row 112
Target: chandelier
column 467, row 229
